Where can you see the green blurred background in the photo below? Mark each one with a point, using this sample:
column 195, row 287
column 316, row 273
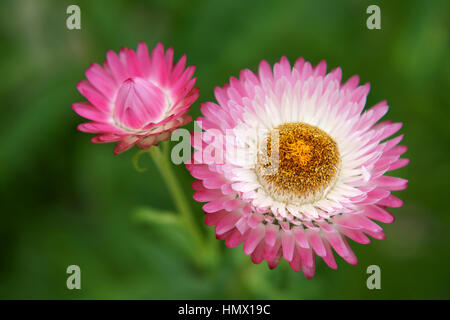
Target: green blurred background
column 67, row 201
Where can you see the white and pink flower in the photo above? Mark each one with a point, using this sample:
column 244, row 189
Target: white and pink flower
column 330, row 184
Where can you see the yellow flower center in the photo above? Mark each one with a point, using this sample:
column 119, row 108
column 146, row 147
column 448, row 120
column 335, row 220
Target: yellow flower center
column 305, row 162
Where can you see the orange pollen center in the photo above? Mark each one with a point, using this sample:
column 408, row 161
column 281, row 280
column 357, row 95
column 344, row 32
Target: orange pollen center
column 299, row 151
column 297, row 162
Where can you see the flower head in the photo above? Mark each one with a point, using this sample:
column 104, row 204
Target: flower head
column 136, row 98
column 302, row 166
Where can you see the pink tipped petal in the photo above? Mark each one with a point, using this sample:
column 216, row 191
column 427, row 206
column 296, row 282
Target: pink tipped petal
column 366, row 223
column 254, row 220
column 355, row 235
column 139, row 102
column 351, row 257
column 159, row 70
column 316, row 243
column 98, row 127
column 375, row 235
column 227, row 223
column 271, row 251
column 101, row 79
column 95, row 97
column 389, row 129
column 104, row 138
column 300, row 237
column 338, row 244
column 118, row 69
column 274, row 262
column 375, row 113
column 391, row 183
column 400, row 163
column 271, row 234
column 125, row 144
column 309, row 271
column 288, row 244
column 295, row 263
column 133, row 66
column 391, row 201
column 144, row 58
column 351, row 83
column 329, row 258
column 307, row 257
column 257, row 255
column 206, row 195
column 253, row 239
column 147, row 142
column 215, row 205
column 212, row 219
column 321, row 69
column 234, row 239
column 89, row 112
column 379, row 214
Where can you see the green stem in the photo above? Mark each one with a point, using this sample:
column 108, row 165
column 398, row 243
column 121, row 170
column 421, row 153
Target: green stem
column 164, row 165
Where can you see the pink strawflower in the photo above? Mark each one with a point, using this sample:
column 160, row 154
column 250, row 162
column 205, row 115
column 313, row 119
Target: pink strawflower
column 329, row 184
column 136, row 98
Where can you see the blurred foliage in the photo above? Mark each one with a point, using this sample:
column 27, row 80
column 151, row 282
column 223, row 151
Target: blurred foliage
column 67, row 201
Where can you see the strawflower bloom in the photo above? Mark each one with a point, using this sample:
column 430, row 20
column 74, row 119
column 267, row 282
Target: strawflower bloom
column 136, row 98
column 330, row 160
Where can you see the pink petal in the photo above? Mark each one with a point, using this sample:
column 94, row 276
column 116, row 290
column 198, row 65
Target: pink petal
column 116, row 65
column 257, row 255
column 307, row 257
column 125, row 144
column 227, row 223
column 98, row 127
column 329, row 258
column 144, row 58
column 391, row 201
column 309, row 271
column 212, row 219
column 235, row 238
column 253, row 239
column 355, row 235
column 295, row 263
column 89, row 112
column 101, row 80
column 139, row 102
column 300, row 236
column 288, row 244
column 271, row 251
column 391, row 183
column 315, row 240
column 271, row 234
column 379, row 214
column 206, row 195
column 215, row 205
column 95, row 97
column 400, row 163
column 274, row 262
